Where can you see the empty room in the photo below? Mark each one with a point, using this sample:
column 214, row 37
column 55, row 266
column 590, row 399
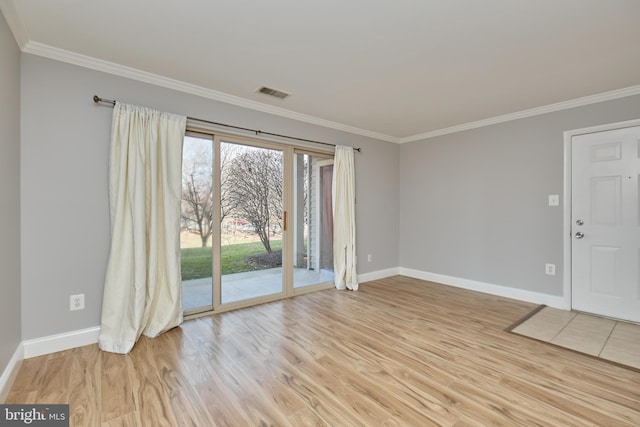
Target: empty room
column 286, row 213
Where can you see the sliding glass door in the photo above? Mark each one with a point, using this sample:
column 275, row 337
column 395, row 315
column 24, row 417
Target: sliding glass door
column 239, row 246
column 313, row 220
column 252, row 221
column 196, row 233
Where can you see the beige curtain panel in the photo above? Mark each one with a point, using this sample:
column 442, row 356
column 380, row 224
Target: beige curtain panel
column 143, row 293
column 344, row 219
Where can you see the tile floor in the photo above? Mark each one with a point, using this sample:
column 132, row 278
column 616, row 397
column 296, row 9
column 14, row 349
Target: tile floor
column 598, row 336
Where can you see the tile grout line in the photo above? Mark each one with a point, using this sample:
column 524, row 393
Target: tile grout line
column 564, row 327
column 615, row 325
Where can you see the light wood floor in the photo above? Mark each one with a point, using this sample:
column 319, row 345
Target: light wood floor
column 397, row 352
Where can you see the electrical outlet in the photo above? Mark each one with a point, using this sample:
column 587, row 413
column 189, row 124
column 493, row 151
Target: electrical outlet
column 76, row 302
column 369, row 258
column 550, row 269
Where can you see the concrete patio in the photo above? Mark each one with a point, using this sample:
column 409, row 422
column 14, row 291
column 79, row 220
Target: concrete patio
column 239, row 286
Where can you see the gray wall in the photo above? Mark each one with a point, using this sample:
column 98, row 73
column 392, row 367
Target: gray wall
column 10, row 335
column 65, row 139
column 473, row 204
column 470, row 205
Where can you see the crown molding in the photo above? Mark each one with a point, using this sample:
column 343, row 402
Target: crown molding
column 565, row 105
column 69, row 57
column 8, row 9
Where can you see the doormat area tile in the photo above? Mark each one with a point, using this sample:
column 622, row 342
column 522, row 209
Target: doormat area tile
column 611, row 340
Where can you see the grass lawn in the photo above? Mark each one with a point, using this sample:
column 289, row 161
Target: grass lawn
column 196, row 262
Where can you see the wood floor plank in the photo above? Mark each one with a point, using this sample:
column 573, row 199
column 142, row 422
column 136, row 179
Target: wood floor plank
column 185, row 403
column 56, row 387
column 606, row 414
column 378, row 388
column 85, row 386
column 399, row 352
column 150, row 393
column 29, row 380
column 221, row 403
column 127, row 420
column 307, row 418
column 116, row 391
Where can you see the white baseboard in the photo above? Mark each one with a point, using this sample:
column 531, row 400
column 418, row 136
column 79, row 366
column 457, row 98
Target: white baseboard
column 10, row 372
column 488, row 288
column 380, row 274
column 64, row 341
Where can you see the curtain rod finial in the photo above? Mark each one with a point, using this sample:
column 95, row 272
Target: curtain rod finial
column 97, row 99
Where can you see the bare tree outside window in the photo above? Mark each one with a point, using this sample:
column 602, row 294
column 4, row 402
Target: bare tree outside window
column 227, row 153
column 255, row 189
column 197, row 189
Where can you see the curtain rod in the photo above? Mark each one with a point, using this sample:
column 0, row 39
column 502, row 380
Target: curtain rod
column 98, row 99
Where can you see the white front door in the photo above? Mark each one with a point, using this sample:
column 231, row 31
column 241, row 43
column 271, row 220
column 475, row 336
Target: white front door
column 605, row 223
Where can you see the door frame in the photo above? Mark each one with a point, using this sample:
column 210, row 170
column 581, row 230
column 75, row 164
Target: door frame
column 317, row 217
column 567, row 226
column 218, row 305
column 288, row 150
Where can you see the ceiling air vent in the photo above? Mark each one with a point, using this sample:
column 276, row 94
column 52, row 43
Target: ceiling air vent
column 272, row 92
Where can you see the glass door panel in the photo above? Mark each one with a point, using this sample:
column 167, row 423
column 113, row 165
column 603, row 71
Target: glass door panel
column 312, row 220
column 251, row 221
column 196, row 249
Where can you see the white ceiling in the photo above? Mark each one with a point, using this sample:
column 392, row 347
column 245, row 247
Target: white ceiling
column 396, row 70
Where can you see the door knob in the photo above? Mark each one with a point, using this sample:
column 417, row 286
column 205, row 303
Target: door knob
column 579, row 235
column 579, row 222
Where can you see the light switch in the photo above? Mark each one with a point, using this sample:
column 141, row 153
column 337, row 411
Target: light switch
column 554, row 200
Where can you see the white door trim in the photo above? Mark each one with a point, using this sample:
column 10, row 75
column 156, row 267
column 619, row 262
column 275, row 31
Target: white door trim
column 566, row 229
column 318, row 208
